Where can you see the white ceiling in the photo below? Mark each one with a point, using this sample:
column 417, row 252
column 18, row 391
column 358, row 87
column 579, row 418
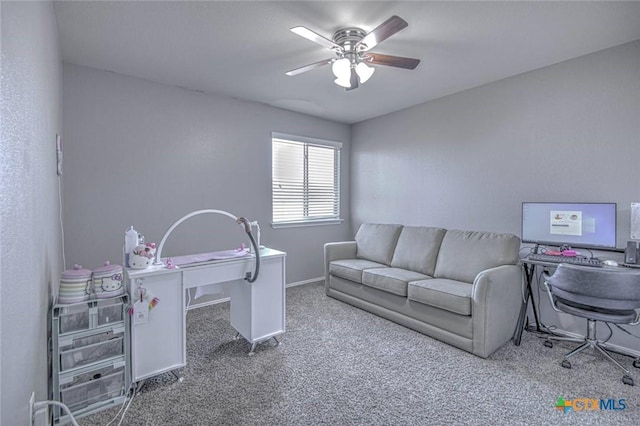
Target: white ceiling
column 242, row 49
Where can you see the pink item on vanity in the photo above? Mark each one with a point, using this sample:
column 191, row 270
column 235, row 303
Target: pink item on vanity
column 107, row 281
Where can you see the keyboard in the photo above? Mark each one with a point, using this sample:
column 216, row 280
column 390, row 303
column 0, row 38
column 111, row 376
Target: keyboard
column 573, row 260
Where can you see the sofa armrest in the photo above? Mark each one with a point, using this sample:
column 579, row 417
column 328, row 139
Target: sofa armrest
column 337, row 251
column 496, row 302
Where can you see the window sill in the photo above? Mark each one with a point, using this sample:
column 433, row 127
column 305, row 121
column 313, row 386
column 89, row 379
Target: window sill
column 306, row 223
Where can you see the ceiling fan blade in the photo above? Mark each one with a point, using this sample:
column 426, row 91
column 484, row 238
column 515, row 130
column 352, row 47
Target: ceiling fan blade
column 310, row 67
column 353, row 80
column 392, row 61
column 315, row 37
column 381, row 33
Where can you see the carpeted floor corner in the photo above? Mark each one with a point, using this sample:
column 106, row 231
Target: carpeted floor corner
column 339, row 365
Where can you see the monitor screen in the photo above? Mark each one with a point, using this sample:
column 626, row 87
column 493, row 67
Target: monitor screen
column 587, row 225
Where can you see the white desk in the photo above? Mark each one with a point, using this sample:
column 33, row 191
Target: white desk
column 257, row 309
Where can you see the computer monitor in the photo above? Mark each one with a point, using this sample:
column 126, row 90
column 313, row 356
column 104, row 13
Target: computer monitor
column 586, row 225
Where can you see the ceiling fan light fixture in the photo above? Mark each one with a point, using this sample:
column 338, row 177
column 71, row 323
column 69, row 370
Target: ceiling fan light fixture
column 352, row 45
column 344, row 82
column 341, row 69
column 364, row 72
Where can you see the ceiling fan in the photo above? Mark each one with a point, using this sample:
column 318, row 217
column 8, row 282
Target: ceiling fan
column 352, row 48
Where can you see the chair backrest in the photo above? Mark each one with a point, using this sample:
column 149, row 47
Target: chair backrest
column 602, row 288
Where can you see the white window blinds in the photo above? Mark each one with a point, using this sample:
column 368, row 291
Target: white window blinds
column 305, row 180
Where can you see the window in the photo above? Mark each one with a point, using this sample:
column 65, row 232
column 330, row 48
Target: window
column 305, row 180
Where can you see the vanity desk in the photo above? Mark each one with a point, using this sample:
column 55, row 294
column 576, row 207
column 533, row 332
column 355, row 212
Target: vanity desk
column 158, row 336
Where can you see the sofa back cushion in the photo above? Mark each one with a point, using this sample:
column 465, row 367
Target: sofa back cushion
column 417, row 249
column 464, row 254
column 376, row 242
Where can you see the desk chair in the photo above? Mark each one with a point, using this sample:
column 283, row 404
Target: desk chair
column 597, row 294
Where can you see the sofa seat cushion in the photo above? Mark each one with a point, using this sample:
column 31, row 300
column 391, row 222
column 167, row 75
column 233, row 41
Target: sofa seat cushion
column 451, row 295
column 351, row 269
column 393, row 280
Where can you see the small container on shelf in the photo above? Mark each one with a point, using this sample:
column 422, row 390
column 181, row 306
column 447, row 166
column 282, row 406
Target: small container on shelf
column 107, row 281
column 75, row 285
column 142, row 256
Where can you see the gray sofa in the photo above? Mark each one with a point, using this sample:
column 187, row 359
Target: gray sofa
column 463, row 288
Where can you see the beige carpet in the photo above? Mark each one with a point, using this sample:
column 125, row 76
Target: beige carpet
column 339, row 365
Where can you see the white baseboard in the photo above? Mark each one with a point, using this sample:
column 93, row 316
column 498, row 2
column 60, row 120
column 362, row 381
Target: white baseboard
column 622, row 350
column 226, row 299
column 209, row 303
column 303, row 282
column 612, row 346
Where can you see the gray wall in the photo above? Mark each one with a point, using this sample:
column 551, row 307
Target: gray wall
column 30, row 260
column 567, row 132
column 145, row 154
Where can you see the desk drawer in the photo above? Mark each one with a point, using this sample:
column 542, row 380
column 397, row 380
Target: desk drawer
column 216, row 273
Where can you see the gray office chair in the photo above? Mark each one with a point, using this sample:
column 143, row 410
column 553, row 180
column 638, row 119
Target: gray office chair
column 598, row 294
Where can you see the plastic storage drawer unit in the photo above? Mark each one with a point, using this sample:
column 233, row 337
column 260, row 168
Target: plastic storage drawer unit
column 74, row 318
column 91, row 349
column 109, row 313
column 93, row 387
column 91, row 356
column 89, row 315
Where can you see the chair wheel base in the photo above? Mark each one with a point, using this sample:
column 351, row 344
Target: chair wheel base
column 627, row 380
column 566, row 364
column 548, row 343
column 636, row 363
